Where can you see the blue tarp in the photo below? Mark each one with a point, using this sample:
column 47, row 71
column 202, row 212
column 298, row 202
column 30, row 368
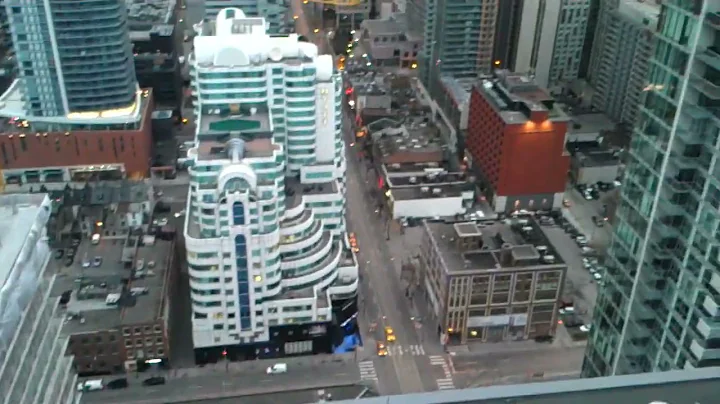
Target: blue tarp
column 348, row 345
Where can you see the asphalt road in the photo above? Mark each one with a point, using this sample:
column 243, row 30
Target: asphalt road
column 218, row 384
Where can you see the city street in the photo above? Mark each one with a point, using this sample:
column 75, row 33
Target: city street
column 215, row 383
column 292, row 397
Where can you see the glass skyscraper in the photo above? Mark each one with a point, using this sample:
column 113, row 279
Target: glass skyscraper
column 72, row 56
column 658, row 309
column 271, row 271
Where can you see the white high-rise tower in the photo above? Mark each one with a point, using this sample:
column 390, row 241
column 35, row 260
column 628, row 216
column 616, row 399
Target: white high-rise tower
column 270, row 268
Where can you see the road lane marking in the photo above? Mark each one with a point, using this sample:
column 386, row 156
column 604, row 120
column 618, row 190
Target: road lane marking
column 437, row 360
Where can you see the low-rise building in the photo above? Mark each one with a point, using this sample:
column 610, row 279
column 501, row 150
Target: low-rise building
column 416, row 171
column 592, row 162
column 389, row 44
column 490, row 282
column 34, row 367
column 117, row 303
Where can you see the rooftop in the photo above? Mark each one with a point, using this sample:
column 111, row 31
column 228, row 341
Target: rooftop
column 145, row 15
column 15, row 119
column 517, row 96
column 416, row 136
column 517, row 244
column 240, row 120
column 590, row 123
column 294, row 190
column 697, row 386
column 458, row 88
column 593, row 154
column 18, row 214
column 107, row 296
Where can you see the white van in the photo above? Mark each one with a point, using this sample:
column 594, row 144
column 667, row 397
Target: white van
column 276, row 369
column 95, row 238
column 90, row 385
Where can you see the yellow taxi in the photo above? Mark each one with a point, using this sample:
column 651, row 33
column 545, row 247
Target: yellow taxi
column 389, row 334
column 353, row 243
column 381, row 349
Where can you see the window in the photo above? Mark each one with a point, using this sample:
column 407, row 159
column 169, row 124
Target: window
column 238, row 214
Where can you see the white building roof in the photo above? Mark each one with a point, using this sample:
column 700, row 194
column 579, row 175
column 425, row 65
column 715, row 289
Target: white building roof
column 239, row 41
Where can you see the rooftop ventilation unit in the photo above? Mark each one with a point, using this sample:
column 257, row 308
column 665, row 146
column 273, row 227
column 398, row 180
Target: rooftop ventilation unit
column 424, row 189
column 436, row 191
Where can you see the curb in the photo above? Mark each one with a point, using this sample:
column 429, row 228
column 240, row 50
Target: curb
column 241, row 393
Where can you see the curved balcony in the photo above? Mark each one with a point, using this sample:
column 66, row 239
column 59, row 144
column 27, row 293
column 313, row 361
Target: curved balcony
column 321, row 269
column 311, row 238
column 204, row 261
column 320, row 250
column 343, row 290
column 203, row 298
column 298, row 224
column 201, row 308
column 196, row 285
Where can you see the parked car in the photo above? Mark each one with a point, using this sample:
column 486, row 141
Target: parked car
column 154, row 381
column 59, row 254
column 90, row 385
column 97, row 261
column 121, row 383
column 86, row 263
column 69, row 261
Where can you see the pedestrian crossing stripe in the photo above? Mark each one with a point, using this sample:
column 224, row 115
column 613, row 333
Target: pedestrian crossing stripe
column 445, row 384
column 400, row 350
column 367, row 371
column 437, row 360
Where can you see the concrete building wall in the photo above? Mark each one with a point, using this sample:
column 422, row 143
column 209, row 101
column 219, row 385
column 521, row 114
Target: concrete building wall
column 429, row 207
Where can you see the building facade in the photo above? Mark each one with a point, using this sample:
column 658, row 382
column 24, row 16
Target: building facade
column 628, row 44
column 157, row 49
column 458, row 38
column 33, row 365
column 275, row 12
column 495, row 283
column 658, row 309
column 514, row 129
column 68, row 65
column 75, row 106
column 550, row 41
column 271, row 272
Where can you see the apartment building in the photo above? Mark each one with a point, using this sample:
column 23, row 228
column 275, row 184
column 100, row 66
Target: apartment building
column 550, row 42
column 659, row 307
column 271, row 272
column 623, row 63
column 515, row 142
column 34, row 367
column 490, row 283
column 75, row 105
column 458, row 38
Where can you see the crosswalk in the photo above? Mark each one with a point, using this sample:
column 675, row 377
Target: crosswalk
column 400, row 350
column 367, row 371
column 446, row 383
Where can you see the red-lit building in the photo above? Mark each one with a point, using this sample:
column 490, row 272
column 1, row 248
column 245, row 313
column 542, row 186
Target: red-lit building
column 78, row 148
column 516, row 143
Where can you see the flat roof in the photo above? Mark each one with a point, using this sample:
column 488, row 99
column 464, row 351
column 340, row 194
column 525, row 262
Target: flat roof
column 18, row 215
column 144, row 15
column 294, row 190
column 429, row 191
column 91, row 286
column 590, row 123
column 240, row 120
column 390, row 26
column 515, row 95
column 13, row 115
column 696, row 386
column 505, row 245
column 216, row 149
column 593, row 154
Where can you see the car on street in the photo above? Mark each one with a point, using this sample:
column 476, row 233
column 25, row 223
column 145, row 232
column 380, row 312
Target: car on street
column 586, row 327
column 59, row 254
column 389, row 334
column 97, row 261
column 90, row 385
column 140, row 265
column 121, row 383
column 69, row 261
column 86, row 263
column 597, row 276
column 567, row 310
column 154, row 381
column 381, row 349
column 277, row 369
